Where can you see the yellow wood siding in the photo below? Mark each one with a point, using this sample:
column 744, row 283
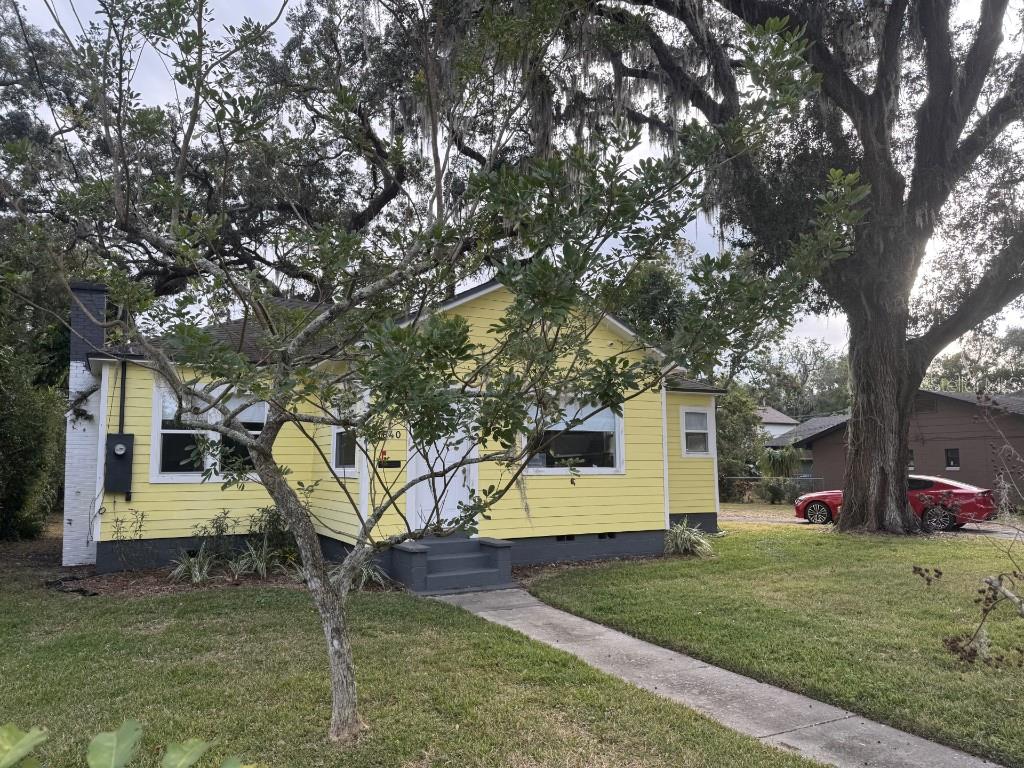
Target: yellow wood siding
column 692, row 480
column 559, row 504
column 632, row 499
column 174, row 509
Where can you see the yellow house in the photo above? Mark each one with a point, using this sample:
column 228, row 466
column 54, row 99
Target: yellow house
column 132, row 498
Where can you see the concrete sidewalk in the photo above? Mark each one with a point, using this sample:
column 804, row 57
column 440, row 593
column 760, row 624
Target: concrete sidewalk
column 786, row 720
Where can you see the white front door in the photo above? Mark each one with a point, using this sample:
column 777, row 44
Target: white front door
column 445, row 492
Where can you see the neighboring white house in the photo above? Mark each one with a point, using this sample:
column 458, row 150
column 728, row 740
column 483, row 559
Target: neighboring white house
column 775, row 422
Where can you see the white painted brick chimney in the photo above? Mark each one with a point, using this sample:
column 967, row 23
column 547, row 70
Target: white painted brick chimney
column 85, row 428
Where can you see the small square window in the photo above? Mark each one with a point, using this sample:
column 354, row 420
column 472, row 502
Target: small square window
column 952, row 458
column 696, row 433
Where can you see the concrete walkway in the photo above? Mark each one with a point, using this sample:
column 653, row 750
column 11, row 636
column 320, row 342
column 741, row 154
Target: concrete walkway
column 777, row 717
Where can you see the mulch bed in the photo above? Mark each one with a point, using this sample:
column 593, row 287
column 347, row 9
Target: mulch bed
column 41, row 557
column 158, row 582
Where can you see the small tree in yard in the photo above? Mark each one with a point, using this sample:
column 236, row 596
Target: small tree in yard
column 383, row 155
column 926, row 100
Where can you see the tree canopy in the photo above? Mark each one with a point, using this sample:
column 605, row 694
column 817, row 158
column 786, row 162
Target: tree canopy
column 325, row 179
column 925, row 101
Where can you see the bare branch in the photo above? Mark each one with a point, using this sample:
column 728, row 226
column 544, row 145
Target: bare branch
column 1002, row 282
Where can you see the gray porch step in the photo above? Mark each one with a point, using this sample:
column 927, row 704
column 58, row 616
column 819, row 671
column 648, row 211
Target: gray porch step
column 446, row 546
column 458, row 561
column 464, row 579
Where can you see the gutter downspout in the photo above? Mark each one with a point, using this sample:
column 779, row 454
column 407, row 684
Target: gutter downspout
column 664, row 456
column 124, row 381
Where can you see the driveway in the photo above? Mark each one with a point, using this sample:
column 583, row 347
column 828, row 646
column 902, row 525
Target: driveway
column 782, row 514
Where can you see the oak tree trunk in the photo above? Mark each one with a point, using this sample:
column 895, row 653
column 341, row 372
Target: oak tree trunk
column 329, row 600
column 883, row 381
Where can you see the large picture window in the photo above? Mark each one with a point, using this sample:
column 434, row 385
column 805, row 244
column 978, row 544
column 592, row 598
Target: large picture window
column 593, row 445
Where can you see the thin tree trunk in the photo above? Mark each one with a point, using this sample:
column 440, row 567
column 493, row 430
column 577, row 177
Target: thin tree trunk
column 329, row 600
column 883, row 382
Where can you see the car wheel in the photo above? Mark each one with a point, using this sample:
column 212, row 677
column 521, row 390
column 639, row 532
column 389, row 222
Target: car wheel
column 936, row 519
column 818, row 513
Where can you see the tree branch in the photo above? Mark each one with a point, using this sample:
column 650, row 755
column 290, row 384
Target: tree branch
column 682, row 80
column 890, row 60
column 978, row 61
column 836, row 81
column 692, row 16
column 1009, row 108
column 1002, row 282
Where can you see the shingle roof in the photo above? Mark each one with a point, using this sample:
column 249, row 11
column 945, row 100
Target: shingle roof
column 246, row 337
column 242, row 334
column 820, row 425
column 810, row 429
column 1008, row 403
column 769, row 415
column 675, row 382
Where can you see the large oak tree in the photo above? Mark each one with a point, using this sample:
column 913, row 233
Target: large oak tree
column 927, row 108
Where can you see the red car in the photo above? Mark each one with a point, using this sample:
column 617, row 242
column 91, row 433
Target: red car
column 940, row 504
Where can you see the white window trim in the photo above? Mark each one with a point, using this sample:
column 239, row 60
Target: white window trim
column 156, row 430
column 334, row 454
column 620, row 458
column 712, row 451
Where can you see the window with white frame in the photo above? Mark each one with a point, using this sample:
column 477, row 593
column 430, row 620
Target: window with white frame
column 697, row 435
column 253, row 417
column 595, row 445
column 178, row 444
column 343, row 450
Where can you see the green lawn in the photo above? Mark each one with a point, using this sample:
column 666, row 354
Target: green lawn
column 245, row 665
column 838, row 617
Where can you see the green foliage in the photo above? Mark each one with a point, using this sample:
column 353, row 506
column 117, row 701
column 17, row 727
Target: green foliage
column 260, row 557
column 776, row 490
column 114, row 749
column 195, row 567
column 216, row 533
column 111, row 749
column 740, row 438
column 31, row 442
column 368, row 575
column 269, row 525
column 986, row 361
column 801, row 378
column 771, row 490
column 683, row 539
column 779, row 462
column 16, row 744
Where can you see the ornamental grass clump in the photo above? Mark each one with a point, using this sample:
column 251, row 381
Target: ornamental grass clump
column 683, row 539
column 195, row 568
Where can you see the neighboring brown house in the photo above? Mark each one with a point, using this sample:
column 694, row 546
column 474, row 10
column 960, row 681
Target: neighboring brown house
column 952, row 435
